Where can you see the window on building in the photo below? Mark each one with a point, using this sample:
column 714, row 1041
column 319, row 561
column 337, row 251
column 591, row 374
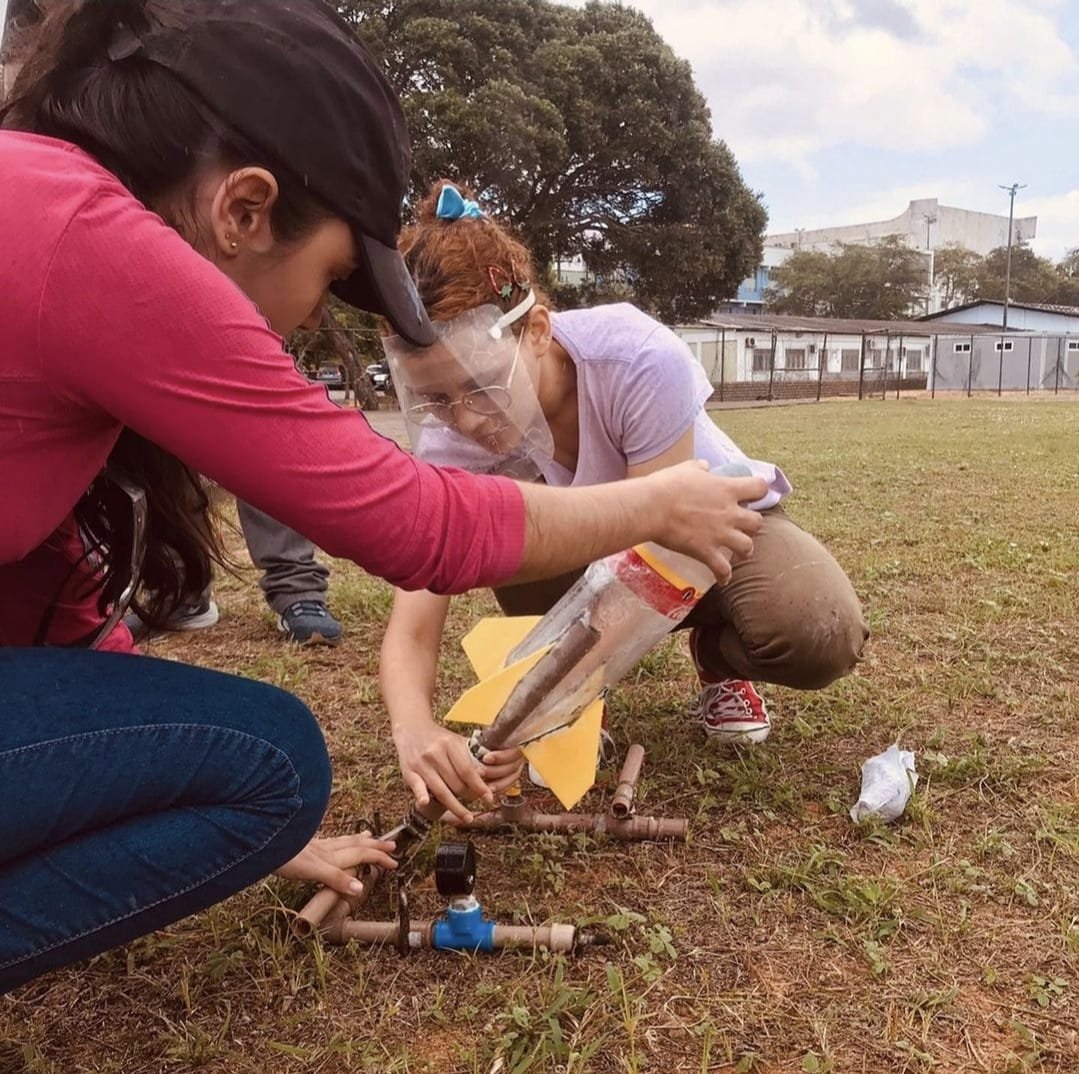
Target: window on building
column 961, row 348
column 850, row 360
column 914, row 359
column 1002, row 345
column 762, row 359
column 1073, row 344
column 795, row 357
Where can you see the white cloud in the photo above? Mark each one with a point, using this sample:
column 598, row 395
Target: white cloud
column 792, row 79
column 890, row 202
column 798, row 76
column 1058, row 223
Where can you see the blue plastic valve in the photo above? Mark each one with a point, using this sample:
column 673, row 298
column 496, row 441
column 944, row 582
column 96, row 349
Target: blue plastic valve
column 464, row 928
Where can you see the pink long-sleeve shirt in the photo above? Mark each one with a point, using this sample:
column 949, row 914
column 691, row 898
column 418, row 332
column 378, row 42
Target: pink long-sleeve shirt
column 108, row 318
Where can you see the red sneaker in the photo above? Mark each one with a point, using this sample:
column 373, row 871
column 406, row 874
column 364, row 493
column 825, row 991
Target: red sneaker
column 733, row 710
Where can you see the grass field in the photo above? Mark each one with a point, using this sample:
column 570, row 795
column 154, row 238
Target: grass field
column 781, row 937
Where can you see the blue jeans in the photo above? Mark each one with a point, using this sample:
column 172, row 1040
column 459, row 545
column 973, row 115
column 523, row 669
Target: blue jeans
column 136, row 791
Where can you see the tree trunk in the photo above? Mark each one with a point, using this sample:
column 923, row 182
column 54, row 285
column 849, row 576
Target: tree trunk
column 356, row 378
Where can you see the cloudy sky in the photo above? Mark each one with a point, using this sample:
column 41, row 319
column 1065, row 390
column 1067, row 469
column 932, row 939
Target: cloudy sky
column 841, row 111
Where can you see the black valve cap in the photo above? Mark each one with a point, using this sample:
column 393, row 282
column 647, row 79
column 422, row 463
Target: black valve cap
column 455, row 869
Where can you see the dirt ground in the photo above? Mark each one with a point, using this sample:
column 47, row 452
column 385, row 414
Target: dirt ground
column 780, row 937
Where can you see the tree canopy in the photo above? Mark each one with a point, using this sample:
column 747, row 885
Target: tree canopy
column 885, row 281
column 1069, row 264
column 1033, row 278
column 955, row 274
column 888, row 280
column 581, row 129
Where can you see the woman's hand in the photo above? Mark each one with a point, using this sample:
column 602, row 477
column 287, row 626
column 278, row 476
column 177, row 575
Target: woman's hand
column 704, row 516
column 328, row 861
column 683, row 507
column 436, row 761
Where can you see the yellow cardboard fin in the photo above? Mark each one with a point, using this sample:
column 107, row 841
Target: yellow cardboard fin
column 481, row 703
column 492, row 639
column 567, row 758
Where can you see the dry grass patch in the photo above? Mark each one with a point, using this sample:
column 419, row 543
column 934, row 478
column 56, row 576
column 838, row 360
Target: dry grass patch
column 780, row 938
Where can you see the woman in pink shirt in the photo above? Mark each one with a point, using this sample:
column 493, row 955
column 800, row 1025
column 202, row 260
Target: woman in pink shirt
column 182, row 185
column 572, row 399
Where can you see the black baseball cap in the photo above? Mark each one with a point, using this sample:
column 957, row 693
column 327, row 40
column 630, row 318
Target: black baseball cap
column 292, row 77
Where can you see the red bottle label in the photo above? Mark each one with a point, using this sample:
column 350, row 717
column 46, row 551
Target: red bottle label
column 651, row 588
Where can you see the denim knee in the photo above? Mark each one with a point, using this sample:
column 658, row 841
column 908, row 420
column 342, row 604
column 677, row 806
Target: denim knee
column 164, row 788
column 293, row 729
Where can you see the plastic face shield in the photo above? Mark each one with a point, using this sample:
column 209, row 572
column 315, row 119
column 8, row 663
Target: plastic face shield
column 468, row 399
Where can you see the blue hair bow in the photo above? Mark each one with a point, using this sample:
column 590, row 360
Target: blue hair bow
column 452, row 206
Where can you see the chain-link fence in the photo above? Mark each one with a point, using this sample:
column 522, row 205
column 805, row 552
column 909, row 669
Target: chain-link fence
column 805, row 365
column 817, row 366
column 1027, row 363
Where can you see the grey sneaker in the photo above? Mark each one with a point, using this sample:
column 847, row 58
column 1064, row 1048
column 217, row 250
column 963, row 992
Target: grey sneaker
column 308, row 622
column 186, row 617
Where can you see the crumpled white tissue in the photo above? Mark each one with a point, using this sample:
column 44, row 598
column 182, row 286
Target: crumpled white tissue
column 887, row 783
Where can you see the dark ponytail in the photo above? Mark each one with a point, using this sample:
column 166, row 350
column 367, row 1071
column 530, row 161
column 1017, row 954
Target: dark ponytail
column 75, row 83
column 82, row 80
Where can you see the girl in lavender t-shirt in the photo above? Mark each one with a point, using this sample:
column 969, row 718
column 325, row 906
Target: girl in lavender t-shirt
column 622, row 396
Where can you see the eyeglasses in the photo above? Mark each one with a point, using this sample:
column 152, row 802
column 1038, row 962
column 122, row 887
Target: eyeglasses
column 487, row 402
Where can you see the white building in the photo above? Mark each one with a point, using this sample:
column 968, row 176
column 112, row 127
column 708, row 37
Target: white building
column 1022, row 316
column 924, row 225
column 774, row 356
column 738, row 348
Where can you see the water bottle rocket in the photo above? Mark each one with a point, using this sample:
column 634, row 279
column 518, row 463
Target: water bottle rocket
column 542, row 683
column 543, row 679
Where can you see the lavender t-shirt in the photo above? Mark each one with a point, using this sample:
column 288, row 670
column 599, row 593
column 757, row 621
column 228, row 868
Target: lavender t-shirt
column 638, row 390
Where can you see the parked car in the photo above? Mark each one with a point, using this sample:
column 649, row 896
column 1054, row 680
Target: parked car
column 379, row 372
column 329, row 376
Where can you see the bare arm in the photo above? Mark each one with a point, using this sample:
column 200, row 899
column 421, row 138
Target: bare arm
column 682, row 507
column 680, row 451
column 434, row 760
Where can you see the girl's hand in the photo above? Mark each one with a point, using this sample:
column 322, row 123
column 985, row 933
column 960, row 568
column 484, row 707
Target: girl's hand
column 327, row 861
column 704, row 516
column 436, row 761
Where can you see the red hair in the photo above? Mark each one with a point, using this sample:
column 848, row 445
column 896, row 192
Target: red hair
column 456, row 263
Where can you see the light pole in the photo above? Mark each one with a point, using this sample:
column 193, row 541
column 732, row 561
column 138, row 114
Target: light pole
column 930, row 218
column 1012, row 190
